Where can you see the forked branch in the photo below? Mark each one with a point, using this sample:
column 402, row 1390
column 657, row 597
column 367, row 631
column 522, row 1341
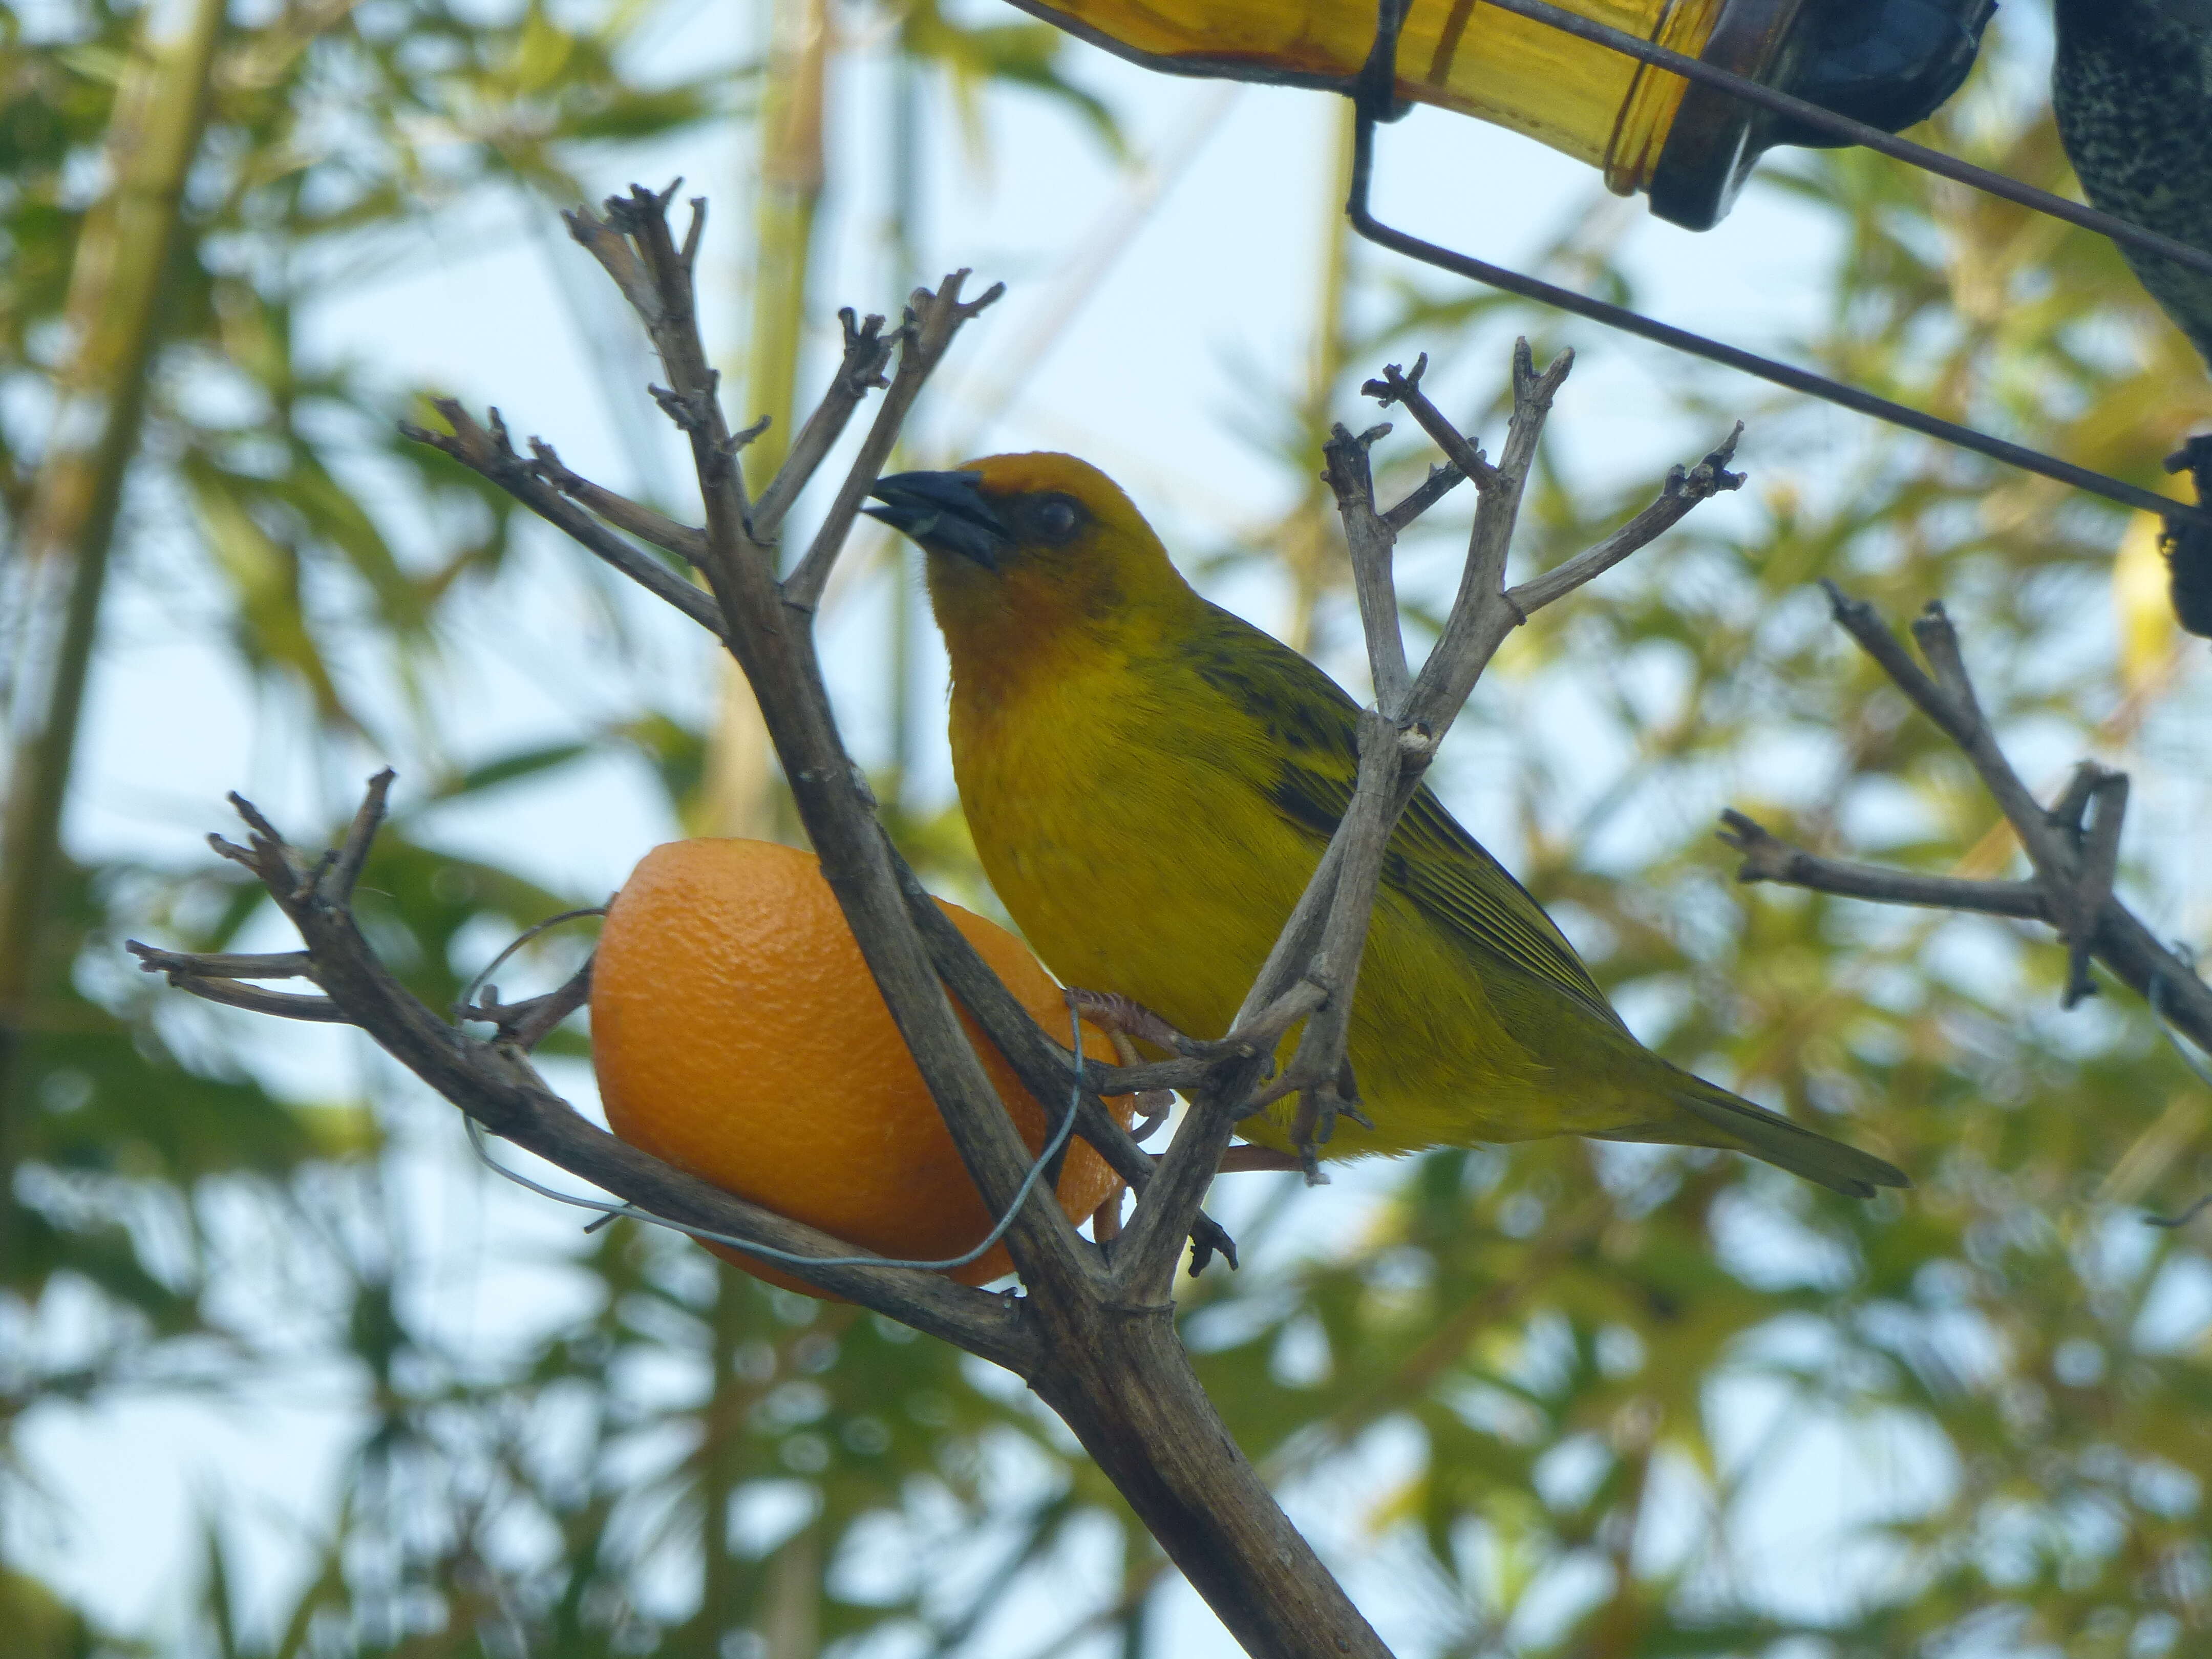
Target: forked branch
column 2072, row 847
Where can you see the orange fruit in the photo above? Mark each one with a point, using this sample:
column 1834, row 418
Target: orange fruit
column 737, row 1035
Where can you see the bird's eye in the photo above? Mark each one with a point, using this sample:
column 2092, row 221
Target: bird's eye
column 1055, row 518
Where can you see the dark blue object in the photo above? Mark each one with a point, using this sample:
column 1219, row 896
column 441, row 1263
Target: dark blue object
column 1886, row 63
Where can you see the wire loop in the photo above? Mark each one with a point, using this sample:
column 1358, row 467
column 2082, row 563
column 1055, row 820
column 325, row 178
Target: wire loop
column 1373, row 101
column 1055, row 1143
column 463, row 1004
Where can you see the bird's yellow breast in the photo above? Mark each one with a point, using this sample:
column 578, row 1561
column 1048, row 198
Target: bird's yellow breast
column 1121, row 839
column 1121, row 807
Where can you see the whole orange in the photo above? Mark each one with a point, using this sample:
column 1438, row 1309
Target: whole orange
column 737, row 1035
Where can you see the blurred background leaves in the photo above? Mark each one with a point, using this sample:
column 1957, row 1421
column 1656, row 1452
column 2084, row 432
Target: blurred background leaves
column 1582, row 1399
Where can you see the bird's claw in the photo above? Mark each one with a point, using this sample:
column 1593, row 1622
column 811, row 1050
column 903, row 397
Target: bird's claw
column 1152, row 1106
column 1314, row 1126
column 1124, row 1017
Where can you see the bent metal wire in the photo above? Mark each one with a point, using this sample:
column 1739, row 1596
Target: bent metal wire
column 1375, row 101
column 1057, row 1143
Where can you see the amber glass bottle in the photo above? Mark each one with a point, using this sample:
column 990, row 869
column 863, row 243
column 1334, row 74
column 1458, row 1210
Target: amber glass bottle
column 1644, row 129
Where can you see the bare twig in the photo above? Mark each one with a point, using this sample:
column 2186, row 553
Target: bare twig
column 1481, row 616
column 933, row 319
column 1768, row 858
column 2099, row 855
column 633, row 243
column 1346, row 471
column 860, row 372
column 226, row 964
column 1397, row 386
column 1440, row 483
column 215, row 978
column 526, row 1024
column 1682, row 492
column 490, row 454
column 685, row 541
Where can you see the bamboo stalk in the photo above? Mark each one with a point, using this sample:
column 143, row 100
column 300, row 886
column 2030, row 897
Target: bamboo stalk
column 792, row 171
column 115, row 297
column 738, row 797
column 1311, row 549
column 902, row 238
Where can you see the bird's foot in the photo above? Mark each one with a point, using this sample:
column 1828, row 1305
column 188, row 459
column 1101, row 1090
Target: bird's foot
column 1106, row 1220
column 1322, row 1101
column 1314, row 1126
column 1124, row 1019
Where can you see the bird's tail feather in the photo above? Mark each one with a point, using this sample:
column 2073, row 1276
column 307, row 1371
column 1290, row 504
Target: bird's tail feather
column 1735, row 1123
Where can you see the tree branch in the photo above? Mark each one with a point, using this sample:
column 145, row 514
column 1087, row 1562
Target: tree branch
column 2072, row 847
column 859, row 373
column 1768, row 858
column 1440, row 483
column 1395, row 385
column 683, row 540
column 932, row 322
column 1683, row 492
column 494, row 1085
column 492, row 455
column 1370, row 536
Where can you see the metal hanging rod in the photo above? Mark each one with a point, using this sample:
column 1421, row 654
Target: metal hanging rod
column 1375, row 101
column 1858, row 132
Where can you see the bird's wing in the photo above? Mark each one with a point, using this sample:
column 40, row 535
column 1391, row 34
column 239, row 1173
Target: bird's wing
column 1311, row 728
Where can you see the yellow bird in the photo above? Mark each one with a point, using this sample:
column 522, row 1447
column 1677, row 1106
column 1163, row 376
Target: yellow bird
column 1151, row 782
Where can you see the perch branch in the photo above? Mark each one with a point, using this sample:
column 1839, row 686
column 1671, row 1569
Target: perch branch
column 1041, row 1063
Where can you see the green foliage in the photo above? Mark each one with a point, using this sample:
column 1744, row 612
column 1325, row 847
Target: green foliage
column 1595, row 1374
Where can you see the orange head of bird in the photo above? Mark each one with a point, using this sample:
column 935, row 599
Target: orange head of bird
column 1024, row 548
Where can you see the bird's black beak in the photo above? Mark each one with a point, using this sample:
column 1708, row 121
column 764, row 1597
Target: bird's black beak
column 945, row 512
